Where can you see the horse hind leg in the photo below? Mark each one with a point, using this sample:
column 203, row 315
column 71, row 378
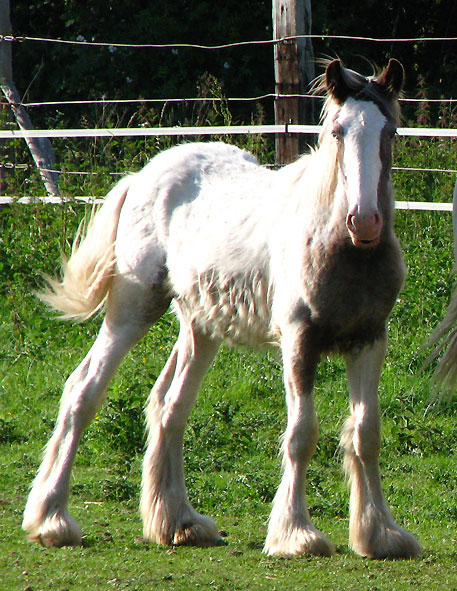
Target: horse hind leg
column 168, row 517
column 46, row 516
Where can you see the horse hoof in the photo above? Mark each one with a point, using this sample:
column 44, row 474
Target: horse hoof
column 394, row 543
column 196, row 534
column 299, row 541
column 57, row 531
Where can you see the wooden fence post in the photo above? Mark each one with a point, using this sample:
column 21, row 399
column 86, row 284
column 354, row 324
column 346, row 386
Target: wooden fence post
column 294, row 70
column 40, row 148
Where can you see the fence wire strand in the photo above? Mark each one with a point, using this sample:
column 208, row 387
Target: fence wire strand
column 270, row 95
column 83, row 42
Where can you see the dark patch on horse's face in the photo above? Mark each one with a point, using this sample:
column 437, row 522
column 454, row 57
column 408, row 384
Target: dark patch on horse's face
column 384, row 90
column 385, row 196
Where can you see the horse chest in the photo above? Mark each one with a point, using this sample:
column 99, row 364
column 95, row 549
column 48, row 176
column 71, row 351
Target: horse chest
column 350, row 296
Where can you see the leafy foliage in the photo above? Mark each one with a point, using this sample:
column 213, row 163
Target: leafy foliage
column 81, row 73
column 91, row 73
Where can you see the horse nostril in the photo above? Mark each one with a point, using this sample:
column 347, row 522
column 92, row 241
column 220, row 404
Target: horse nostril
column 350, row 222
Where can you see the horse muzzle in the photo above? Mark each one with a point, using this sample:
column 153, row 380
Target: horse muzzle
column 364, row 230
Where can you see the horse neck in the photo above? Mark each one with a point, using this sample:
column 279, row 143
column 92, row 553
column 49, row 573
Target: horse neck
column 310, row 182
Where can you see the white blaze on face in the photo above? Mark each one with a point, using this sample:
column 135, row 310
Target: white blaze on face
column 359, row 125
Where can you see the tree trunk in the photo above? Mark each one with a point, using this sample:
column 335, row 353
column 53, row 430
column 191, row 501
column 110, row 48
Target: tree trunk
column 40, row 148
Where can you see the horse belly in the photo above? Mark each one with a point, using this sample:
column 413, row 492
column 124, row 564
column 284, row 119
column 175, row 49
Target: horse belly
column 218, row 259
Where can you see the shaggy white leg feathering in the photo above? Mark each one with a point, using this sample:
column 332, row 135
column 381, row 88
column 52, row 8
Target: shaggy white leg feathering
column 168, row 517
column 290, row 530
column 46, row 516
column 52, row 527
column 372, row 529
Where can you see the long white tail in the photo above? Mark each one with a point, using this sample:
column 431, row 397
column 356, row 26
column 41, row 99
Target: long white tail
column 444, row 340
column 444, row 337
column 87, row 275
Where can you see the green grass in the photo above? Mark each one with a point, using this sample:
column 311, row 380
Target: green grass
column 232, row 461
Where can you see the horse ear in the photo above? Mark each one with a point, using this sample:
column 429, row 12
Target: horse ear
column 335, row 82
column 392, row 78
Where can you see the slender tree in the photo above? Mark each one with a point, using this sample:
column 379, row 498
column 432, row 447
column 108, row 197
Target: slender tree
column 40, row 148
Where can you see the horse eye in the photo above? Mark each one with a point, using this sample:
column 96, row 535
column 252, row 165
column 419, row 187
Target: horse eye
column 337, row 131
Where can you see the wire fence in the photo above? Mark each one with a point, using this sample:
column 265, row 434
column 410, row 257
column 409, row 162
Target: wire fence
column 196, row 99
column 208, row 130
column 80, row 41
column 205, row 131
column 409, row 205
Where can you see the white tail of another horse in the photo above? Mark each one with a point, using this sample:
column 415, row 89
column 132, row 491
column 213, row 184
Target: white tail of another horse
column 444, row 336
column 87, row 274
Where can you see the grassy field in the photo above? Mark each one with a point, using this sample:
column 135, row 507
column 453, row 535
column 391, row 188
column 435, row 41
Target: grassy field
column 232, row 462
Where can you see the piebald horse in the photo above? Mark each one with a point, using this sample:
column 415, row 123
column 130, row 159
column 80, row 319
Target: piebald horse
column 304, row 258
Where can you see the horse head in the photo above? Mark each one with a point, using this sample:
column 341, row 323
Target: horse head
column 364, row 117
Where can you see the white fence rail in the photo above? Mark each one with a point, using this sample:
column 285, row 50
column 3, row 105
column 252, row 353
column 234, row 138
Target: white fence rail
column 411, row 205
column 205, row 130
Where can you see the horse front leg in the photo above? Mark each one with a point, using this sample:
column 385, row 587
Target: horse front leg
column 372, row 529
column 168, row 517
column 290, row 530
